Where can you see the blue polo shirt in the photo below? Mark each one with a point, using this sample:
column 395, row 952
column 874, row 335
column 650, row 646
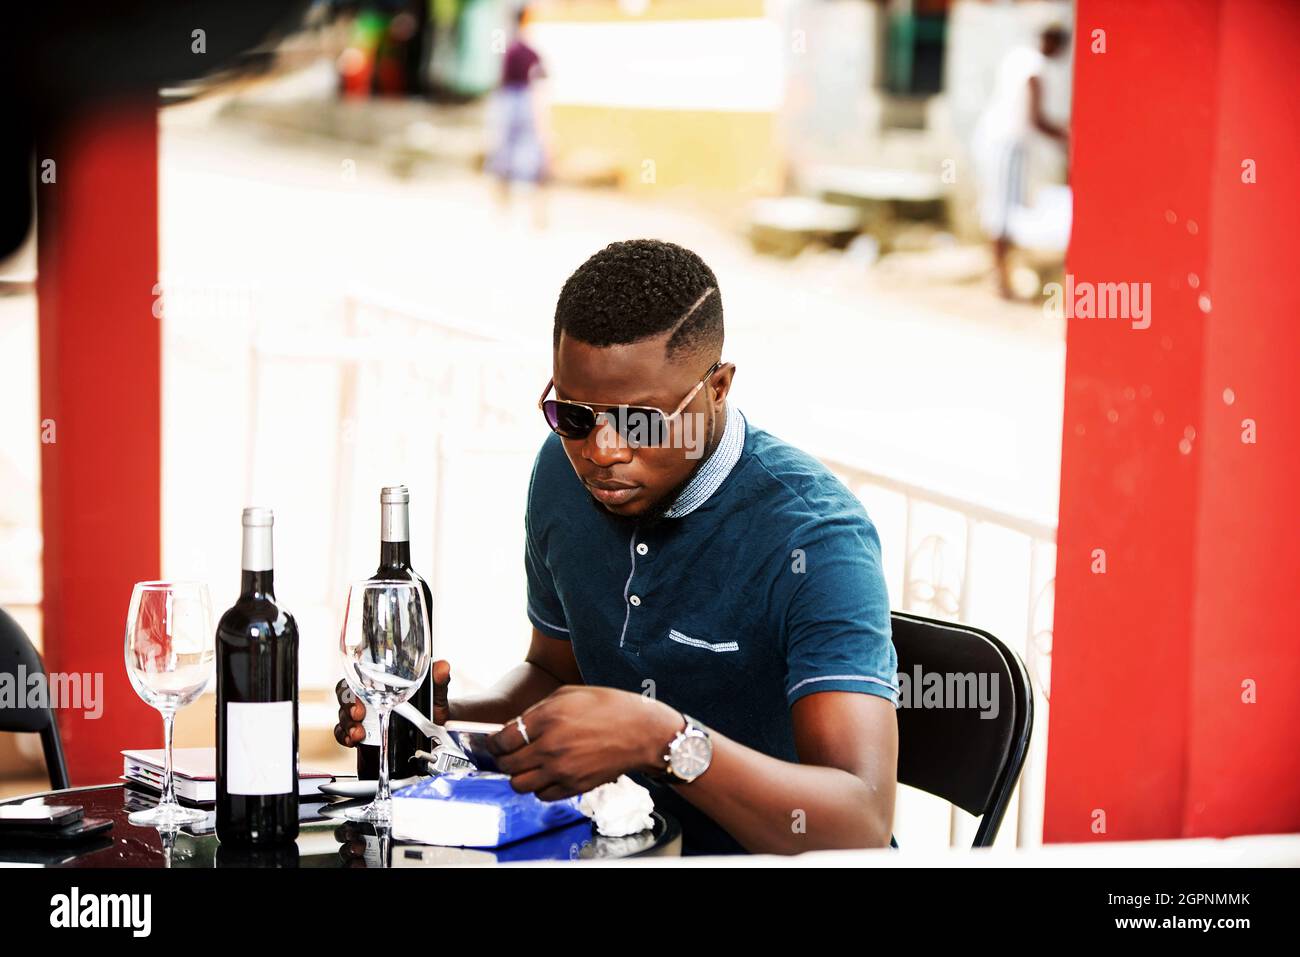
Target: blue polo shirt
column 762, row 584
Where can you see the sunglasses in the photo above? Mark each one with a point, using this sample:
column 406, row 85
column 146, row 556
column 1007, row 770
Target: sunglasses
column 638, row 425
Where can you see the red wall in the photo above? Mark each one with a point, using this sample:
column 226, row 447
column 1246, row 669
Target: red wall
column 100, row 354
column 1147, row 722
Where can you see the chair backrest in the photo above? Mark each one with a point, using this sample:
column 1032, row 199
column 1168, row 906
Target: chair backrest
column 18, row 659
column 952, row 741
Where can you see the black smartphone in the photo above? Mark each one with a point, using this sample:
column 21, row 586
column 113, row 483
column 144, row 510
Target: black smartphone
column 471, row 737
column 29, row 817
column 77, row 831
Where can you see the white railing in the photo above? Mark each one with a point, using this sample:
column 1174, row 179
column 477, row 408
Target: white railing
column 945, row 542
column 419, row 398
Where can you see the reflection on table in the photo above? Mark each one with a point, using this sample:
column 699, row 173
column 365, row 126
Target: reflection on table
column 325, row 839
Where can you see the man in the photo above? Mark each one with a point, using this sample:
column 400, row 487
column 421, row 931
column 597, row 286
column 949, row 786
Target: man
column 708, row 612
column 1003, row 137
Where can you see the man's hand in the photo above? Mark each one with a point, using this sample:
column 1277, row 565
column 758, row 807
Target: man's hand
column 349, row 732
column 580, row 737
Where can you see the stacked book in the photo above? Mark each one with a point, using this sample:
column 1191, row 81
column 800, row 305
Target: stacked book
column 194, row 774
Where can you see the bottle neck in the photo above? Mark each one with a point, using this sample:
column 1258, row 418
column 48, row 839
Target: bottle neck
column 394, row 535
column 258, row 576
column 253, row 584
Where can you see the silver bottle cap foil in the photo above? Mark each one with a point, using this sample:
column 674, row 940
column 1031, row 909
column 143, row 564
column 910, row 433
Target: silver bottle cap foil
column 258, row 523
column 258, row 515
column 394, row 514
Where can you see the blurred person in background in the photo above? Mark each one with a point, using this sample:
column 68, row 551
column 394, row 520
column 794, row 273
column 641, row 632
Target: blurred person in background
column 1003, row 137
column 519, row 152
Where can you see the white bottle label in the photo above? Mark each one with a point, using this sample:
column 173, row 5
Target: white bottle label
column 373, row 857
column 371, row 723
column 259, row 747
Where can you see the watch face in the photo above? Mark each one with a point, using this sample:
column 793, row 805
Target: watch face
column 691, row 756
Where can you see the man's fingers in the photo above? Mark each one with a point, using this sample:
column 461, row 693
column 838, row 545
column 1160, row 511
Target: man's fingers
column 441, row 678
column 535, row 720
column 526, row 758
column 349, row 730
column 535, row 780
column 555, row 792
column 351, row 714
column 349, row 735
column 509, row 739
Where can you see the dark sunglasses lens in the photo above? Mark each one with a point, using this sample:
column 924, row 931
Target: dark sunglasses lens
column 639, row 427
column 571, row 421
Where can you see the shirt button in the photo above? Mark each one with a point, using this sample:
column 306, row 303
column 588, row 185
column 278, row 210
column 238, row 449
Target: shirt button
column 635, row 600
column 642, row 548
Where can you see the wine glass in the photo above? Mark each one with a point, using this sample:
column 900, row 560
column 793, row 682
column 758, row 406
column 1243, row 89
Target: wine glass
column 169, row 660
column 386, row 648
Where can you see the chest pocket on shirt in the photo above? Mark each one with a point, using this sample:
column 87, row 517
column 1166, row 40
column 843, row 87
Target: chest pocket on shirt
column 719, row 647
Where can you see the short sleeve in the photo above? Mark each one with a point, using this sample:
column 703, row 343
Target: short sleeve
column 838, row 634
column 545, row 609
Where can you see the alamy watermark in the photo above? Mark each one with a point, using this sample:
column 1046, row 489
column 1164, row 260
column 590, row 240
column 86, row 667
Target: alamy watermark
column 949, row 690
column 631, row 427
column 62, row 690
column 75, row 909
column 1106, row 300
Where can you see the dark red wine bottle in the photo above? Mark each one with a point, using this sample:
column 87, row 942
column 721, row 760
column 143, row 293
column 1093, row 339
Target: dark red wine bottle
column 257, row 703
column 395, row 563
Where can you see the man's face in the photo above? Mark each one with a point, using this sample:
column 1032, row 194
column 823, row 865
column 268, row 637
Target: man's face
column 630, row 481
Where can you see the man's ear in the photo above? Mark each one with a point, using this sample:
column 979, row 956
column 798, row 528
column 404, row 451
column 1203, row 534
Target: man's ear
column 721, row 384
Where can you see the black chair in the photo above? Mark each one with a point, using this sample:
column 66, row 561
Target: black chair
column 16, row 651
column 954, row 753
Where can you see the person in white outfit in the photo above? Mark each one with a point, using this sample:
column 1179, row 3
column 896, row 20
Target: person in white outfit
column 1002, row 139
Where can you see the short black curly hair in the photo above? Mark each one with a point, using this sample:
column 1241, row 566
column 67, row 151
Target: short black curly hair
column 640, row 289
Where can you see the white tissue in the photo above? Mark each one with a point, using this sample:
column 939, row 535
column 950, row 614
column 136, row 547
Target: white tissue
column 619, row 808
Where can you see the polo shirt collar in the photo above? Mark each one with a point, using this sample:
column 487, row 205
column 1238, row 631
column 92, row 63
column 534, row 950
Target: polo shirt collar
column 709, row 477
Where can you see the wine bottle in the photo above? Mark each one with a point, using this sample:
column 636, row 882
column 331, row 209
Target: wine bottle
column 257, row 703
column 395, row 563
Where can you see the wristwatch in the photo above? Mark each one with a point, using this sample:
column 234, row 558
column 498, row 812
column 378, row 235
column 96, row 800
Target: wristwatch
column 689, row 753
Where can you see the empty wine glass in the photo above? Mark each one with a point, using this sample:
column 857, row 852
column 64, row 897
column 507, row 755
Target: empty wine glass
column 385, row 648
column 169, row 660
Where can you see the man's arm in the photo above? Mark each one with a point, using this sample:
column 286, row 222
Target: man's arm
column 1038, row 118
column 549, row 664
column 839, row 795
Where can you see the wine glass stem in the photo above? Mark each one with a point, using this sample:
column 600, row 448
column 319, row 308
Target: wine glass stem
column 168, row 794
column 382, row 793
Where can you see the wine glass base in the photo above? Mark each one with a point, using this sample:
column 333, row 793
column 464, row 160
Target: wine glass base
column 167, row 815
column 372, row 813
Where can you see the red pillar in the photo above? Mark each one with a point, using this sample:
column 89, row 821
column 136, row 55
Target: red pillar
column 1174, row 674
column 100, row 354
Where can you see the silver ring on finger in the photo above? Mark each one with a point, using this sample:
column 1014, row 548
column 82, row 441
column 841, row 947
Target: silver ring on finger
column 519, row 723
